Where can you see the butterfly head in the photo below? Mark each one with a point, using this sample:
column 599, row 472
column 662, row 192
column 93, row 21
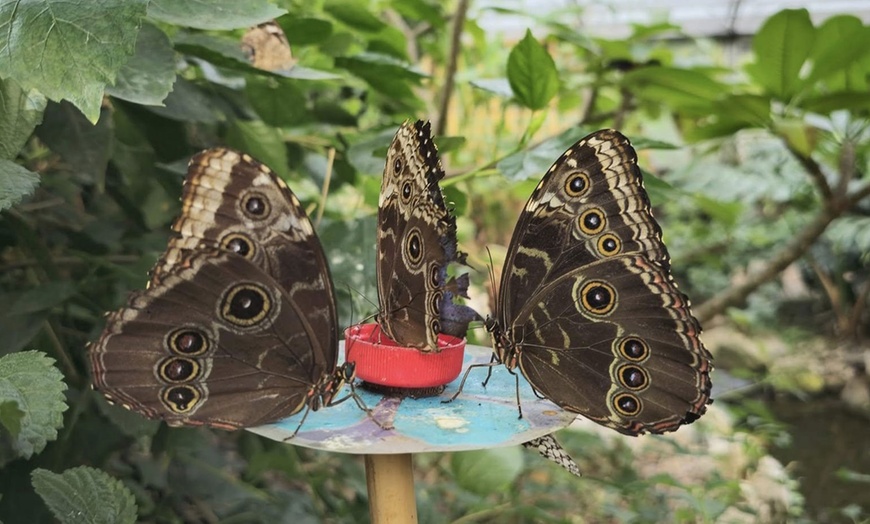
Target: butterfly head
column 504, row 349
column 323, row 393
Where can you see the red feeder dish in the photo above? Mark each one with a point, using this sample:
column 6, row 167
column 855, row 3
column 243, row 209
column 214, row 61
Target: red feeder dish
column 381, row 361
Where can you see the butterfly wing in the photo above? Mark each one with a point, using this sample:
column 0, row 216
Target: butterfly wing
column 174, row 353
column 219, row 342
column 232, row 202
column 587, row 304
column 416, row 242
column 266, row 47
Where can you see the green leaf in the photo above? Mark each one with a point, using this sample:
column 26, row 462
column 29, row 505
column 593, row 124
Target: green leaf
column 657, row 189
column 85, row 495
column 305, row 31
column 84, row 147
column 532, row 73
column 218, row 50
column 16, row 182
column 367, row 155
column 68, row 50
column 754, row 110
column 226, row 52
column 279, row 103
column 147, row 78
column 533, row 163
column 11, row 417
column 306, row 73
column 387, row 75
column 841, row 42
column 684, row 89
column 419, row 10
column 487, row 471
column 381, row 62
column 188, row 103
column 354, row 14
column 20, row 113
column 390, row 41
column 831, row 102
column 262, row 142
column 213, row 14
column 43, row 297
column 127, row 421
column 781, row 47
column 727, row 213
column 30, row 380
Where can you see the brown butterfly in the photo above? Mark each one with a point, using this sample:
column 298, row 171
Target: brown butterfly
column 416, row 243
column 238, row 325
column 587, row 308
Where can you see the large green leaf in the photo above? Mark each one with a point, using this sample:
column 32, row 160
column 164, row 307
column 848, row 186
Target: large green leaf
column 355, row 14
column 16, row 182
column 534, row 162
column 42, row 297
column 830, row 102
column 305, row 31
column 841, row 42
column 420, row 10
column 739, row 111
column 68, row 49
column 532, row 73
column 227, row 53
column 683, row 89
column 213, row 14
column 279, row 103
column 85, row 495
column 387, row 75
column 187, row 102
column 84, row 147
column 781, row 47
column 487, row 470
column 29, row 380
column 20, row 112
column 147, row 78
column 261, row 141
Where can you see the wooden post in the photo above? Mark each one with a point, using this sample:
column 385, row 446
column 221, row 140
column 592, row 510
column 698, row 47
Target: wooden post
column 390, row 481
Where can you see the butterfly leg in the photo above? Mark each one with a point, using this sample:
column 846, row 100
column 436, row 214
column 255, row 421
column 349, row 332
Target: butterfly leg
column 304, row 416
column 362, row 405
column 465, row 377
column 519, row 406
column 492, row 360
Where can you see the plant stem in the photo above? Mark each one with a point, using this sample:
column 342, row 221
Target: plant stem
column 450, row 74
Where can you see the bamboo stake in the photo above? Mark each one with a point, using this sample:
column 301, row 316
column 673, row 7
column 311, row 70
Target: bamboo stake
column 390, row 483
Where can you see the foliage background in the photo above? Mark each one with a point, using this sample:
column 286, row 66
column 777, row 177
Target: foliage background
column 757, row 173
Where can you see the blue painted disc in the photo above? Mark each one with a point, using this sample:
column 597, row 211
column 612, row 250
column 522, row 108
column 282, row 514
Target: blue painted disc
column 478, row 418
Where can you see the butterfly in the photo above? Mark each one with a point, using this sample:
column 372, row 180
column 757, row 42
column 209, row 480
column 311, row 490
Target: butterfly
column 238, row 325
column 266, row 47
column 416, row 242
column 587, row 308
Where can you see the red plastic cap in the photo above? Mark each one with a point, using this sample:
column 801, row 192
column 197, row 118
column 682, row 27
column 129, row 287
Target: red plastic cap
column 379, row 360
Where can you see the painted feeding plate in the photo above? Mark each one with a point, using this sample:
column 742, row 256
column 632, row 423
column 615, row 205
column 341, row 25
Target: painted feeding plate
column 478, row 418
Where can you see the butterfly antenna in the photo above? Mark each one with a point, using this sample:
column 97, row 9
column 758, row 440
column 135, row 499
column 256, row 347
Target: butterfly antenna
column 491, row 271
column 327, row 176
column 354, row 291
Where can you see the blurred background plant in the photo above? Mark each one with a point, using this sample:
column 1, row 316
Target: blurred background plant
column 754, row 143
